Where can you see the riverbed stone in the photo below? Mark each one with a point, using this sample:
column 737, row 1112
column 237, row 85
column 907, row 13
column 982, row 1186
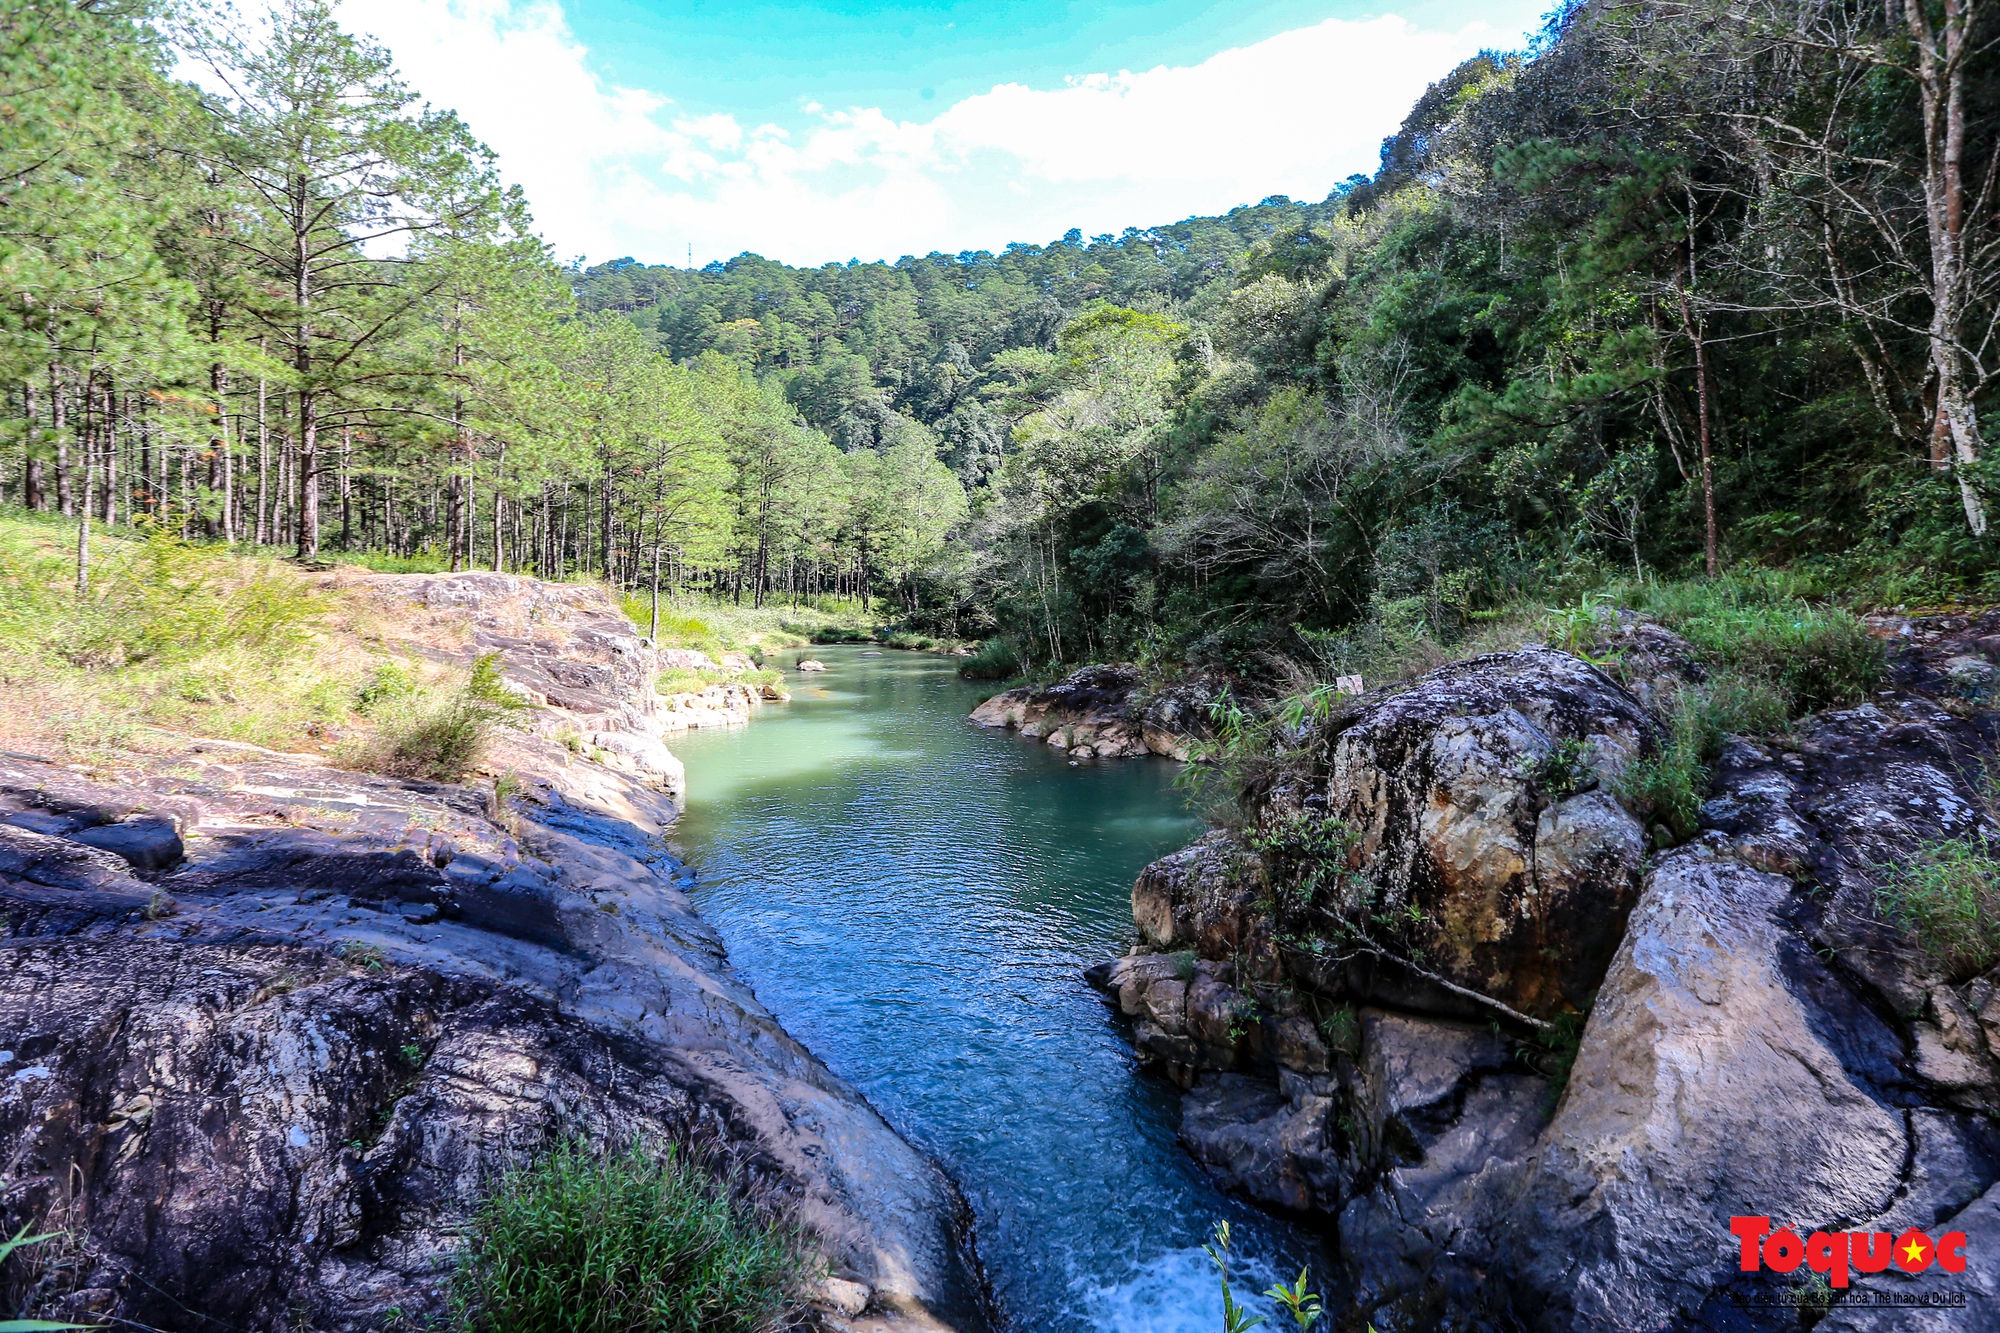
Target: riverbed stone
column 1724, row 1071
column 1259, row 1143
column 1166, row 1005
column 1106, row 708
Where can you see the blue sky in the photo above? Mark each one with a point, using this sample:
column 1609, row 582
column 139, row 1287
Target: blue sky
column 759, row 60
column 821, row 132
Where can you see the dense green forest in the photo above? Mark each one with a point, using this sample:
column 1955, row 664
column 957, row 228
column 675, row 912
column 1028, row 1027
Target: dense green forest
column 1683, row 286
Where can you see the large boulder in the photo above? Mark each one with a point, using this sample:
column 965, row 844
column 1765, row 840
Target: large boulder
column 1485, row 822
column 1761, row 1040
column 1209, row 897
column 1727, row 1070
column 269, row 1084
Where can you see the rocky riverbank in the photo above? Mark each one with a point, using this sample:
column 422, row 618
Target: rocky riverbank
column 1104, row 712
column 269, row 1028
column 1759, row 1039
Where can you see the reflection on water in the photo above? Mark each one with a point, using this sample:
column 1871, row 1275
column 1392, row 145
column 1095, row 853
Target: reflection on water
column 915, row 898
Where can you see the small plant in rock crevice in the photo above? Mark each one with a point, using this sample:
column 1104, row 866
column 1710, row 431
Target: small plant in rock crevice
column 1946, row 899
column 1243, row 1015
column 1555, row 1053
column 582, row 1242
column 1563, row 771
column 1341, row 1030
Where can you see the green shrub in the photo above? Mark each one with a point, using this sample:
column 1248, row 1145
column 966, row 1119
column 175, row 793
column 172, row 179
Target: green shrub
column 156, row 600
column 1669, row 785
column 634, row 1241
column 1947, row 900
column 388, row 683
column 441, row 739
column 1817, row 656
column 1563, row 771
column 996, row 659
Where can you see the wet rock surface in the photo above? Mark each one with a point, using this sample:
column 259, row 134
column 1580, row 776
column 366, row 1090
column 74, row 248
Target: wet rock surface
column 1103, row 712
column 268, row 1030
column 1759, row 1039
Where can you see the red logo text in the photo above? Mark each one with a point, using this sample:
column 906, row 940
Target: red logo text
column 1835, row 1253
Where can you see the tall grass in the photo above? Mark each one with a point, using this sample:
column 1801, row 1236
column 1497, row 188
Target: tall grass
column 156, row 600
column 1669, row 783
column 995, row 659
column 1815, row 656
column 581, row 1243
column 438, row 737
column 1771, row 657
column 1947, row 900
column 171, row 634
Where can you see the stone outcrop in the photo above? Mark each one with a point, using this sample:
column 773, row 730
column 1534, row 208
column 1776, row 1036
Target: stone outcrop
column 1482, row 800
column 269, row 1029
column 1103, row 712
column 1759, row 1039
column 1729, row 1069
column 572, row 654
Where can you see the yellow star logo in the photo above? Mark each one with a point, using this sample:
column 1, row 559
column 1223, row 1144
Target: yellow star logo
column 1914, row 1250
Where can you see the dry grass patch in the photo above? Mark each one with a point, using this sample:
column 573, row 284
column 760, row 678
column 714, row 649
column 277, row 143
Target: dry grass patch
column 175, row 639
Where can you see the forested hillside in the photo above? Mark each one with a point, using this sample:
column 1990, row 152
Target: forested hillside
column 1683, row 287
column 863, row 348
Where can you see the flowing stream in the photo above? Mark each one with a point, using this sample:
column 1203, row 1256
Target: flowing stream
column 915, row 899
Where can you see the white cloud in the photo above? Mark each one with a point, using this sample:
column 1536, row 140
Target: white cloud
column 612, row 170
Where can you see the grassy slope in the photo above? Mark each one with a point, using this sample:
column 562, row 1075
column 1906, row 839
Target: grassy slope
column 178, row 640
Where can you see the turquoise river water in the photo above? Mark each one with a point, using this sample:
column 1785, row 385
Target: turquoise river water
column 915, row 898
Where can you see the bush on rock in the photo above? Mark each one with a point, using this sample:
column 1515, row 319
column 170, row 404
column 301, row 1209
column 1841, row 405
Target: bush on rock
column 582, row 1243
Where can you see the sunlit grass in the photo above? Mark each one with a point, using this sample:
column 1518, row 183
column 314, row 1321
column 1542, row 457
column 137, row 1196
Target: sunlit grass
column 582, row 1243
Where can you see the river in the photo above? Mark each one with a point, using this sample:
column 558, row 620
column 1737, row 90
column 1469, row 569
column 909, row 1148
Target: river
column 915, row 899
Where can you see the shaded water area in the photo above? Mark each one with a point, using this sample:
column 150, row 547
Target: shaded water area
column 915, row 899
